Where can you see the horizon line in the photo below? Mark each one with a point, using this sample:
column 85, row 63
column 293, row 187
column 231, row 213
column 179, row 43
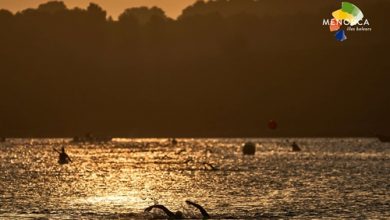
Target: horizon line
column 110, row 13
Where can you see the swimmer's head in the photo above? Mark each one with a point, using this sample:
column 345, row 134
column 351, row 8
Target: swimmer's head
column 179, row 214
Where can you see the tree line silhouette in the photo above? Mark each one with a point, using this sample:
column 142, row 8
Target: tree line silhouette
column 222, row 69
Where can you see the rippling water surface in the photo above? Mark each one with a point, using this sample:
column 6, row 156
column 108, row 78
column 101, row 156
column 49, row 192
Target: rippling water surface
column 331, row 178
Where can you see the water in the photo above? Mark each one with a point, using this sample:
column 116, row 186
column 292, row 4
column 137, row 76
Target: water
column 331, row 178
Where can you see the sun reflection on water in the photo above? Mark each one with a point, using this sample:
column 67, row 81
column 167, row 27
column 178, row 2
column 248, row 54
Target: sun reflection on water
column 122, row 178
column 111, row 199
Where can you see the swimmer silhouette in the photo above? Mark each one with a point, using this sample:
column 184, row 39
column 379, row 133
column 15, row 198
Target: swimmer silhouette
column 200, row 208
column 63, row 156
column 171, row 215
column 295, row 147
column 179, row 214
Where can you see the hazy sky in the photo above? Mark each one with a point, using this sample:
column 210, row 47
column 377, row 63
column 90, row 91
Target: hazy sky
column 172, row 8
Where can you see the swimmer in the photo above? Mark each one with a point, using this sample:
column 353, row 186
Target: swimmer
column 178, row 214
column 295, row 147
column 63, row 156
column 171, row 215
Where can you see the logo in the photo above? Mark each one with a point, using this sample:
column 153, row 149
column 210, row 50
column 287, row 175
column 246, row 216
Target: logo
column 348, row 18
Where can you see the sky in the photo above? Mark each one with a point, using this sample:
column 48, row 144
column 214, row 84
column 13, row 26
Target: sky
column 172, row 8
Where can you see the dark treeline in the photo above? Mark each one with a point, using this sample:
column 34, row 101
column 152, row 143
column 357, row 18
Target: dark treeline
column 223, row 68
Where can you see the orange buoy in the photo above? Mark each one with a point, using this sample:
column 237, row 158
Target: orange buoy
column 272, row 125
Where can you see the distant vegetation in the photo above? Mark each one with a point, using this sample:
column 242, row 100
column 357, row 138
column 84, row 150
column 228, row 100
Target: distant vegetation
column 223, row 68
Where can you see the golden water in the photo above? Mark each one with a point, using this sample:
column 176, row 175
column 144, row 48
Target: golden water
column 332, row 178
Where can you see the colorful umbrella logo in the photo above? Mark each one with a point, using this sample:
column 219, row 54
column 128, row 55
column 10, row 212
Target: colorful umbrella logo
column 349, row 13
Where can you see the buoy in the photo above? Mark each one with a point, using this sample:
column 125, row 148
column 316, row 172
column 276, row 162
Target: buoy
column 249, row 148
column 272, row 125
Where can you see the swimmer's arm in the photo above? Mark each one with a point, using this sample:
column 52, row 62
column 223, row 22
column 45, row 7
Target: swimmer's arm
column 201, row 209
column 167, row 211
